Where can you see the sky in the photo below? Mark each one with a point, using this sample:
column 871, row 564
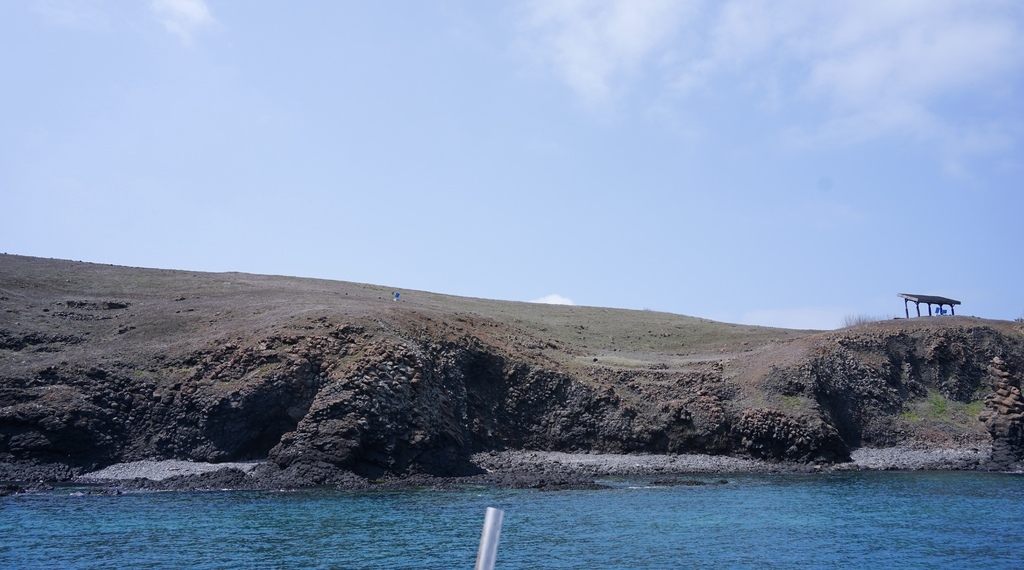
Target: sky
column 787, row 163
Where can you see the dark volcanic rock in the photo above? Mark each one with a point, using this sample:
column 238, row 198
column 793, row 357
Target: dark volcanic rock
column 772, row 434
column 335, row 384
column 1004, row 417
column 427, row 408
column 866, row 382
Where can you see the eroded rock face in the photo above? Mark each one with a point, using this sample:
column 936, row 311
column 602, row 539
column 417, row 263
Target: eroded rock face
column 427, row 408
column 869, row 385
column 1004, row 417
column 230, row 403
column 321, row 406
column 772, row 434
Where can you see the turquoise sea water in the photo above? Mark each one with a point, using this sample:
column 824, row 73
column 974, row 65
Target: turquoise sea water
column 841, row 520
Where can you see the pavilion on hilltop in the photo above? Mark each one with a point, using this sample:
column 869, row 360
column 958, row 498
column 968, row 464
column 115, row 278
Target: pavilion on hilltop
column 929, row 300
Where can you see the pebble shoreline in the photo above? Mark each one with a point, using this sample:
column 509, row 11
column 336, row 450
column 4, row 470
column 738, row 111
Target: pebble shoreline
column 164, row 469
column 507, row 464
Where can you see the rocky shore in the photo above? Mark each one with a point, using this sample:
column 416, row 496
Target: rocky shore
column 274, row 382
column 532, row 469
column 916, row 459
column 163, row 469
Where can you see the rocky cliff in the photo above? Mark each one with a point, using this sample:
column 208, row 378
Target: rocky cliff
column 324, row 379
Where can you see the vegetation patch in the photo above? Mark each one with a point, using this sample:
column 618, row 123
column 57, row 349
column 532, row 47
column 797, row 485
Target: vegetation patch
column 937, row 408
column 793, row 402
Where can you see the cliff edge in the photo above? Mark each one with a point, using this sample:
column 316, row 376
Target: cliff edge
column 328, row 380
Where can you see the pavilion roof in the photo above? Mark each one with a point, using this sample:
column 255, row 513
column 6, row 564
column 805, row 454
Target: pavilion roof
column 930, row 299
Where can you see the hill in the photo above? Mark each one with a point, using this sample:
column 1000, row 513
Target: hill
column 327, row 380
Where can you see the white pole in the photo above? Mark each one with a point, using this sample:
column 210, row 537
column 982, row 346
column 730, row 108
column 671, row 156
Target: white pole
column 489, row 539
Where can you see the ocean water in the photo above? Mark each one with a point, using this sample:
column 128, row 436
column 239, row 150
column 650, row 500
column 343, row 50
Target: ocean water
column 838, row 520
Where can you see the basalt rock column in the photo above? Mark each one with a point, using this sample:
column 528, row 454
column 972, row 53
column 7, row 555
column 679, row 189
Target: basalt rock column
column 1004, row 417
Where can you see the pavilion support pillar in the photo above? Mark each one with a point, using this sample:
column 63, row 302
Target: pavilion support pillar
column 906, row 308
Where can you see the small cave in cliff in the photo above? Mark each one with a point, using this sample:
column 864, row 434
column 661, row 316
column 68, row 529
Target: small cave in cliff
column 241, row 435
column 486, row 388
column 245, row 426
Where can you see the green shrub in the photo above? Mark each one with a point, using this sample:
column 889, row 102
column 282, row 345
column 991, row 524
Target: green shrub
column 975, row 408
column 938, row 406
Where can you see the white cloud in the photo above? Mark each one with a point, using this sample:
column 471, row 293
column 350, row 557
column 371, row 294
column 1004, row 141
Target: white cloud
column 888, row 66
column 872, row 68
column 592, row 44
column 183, row 18
column 877, row 66
column 554, row 299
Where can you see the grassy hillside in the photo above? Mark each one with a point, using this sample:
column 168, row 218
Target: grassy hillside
column 190, row 309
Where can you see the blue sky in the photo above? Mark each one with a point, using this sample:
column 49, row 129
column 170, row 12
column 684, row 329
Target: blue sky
column 783, row 163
